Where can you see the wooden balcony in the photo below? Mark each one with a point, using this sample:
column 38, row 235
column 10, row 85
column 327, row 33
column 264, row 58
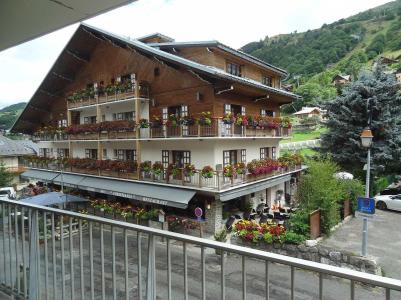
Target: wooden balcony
column 109, row 98
column 216, row 129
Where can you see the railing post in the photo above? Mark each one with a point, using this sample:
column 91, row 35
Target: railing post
column 151, row 273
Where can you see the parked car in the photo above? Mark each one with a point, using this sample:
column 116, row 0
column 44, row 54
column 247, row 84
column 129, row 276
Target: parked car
column 388, row 202
column 7, row 193
column 391, row 191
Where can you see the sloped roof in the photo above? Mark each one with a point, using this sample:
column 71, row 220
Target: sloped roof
column 155, row 35
column 78, row 50
column 307, row 110
column 344, row 77
column 10, row 147
column 217, row 44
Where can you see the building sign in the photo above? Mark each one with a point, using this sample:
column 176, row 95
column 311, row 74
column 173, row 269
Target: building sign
column 366, row 205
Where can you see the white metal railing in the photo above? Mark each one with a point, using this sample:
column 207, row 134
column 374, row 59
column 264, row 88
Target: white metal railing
column 106, row 259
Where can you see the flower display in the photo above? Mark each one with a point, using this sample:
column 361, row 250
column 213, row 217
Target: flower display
column 228, row 171
column 144, row 123
column 145, row 166
column 173, row 120
column 207, row 172
column 253, row 232
column 240, row 168
column 187, row 121
column 157, row 168
column 205, row 119
column 172, row 170
column 241, row 120
column 157, row 122
column 228, row 118
column 189, row 170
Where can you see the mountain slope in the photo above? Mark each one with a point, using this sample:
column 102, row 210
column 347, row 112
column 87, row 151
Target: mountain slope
column 9, row 114
column 346, row 46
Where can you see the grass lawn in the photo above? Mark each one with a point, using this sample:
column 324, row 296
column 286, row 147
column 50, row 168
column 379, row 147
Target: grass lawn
column 305, row 136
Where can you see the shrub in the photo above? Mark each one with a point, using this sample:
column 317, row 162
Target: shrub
column 221, row 235
column 293, row 238
column 299, row 222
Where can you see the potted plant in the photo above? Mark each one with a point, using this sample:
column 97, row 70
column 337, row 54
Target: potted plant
column 228, row 118
column 228, row 171
column 220, row 236
column 157, row 169
column 189, row 170
column 187, row 121
column 172, row 120
column 157, row 122
column 207, row 172
column 205, row 119
column 240, row 168
column 145, row 167
column 172, row 170
column 241, row 120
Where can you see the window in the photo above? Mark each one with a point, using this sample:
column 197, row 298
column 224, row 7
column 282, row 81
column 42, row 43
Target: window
column 48, row 152
column 274, row 152
column 62, row 153
column 165, row 158
column 243, row 155
column 229, row 157
column 120, row 154
column 91, row 153
column 264, row 153
column 130, row 155
column 103, row 118
column 129, row 116
column 234, row 69
column 90, row 120
column 165, row 113
column 181, row 158
column 62, row 123
column 267, row 113
column 267, row 80
column 104, row 153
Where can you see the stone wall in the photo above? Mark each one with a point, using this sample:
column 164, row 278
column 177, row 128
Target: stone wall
column 318, row 253
column 214, row 217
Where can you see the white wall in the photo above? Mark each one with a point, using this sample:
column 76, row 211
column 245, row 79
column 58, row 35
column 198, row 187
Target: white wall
column 119, row 107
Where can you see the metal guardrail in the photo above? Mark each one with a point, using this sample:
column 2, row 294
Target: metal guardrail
column 300, row 145
column 110, row 259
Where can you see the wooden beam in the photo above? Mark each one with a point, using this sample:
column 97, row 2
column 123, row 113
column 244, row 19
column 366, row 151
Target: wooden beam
column 137, row 119
column 47, row 93
column 65, row 77
column 38, row 108
column 77, row 56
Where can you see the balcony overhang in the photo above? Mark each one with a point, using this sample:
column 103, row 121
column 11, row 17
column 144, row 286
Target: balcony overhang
column 157, row 194
column 21, row 21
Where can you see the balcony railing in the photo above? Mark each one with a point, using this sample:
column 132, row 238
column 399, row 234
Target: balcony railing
column 216, row 181
column 216, row 129
column 108, row 98
column 49, row 253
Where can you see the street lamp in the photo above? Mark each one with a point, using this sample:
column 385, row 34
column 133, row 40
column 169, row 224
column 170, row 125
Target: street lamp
column 366, row 140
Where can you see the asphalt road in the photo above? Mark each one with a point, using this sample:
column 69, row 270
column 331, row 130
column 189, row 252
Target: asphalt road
column 306, row 283
column 384, row 240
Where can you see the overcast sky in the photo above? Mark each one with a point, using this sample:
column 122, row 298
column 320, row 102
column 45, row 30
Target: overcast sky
column 233, row 22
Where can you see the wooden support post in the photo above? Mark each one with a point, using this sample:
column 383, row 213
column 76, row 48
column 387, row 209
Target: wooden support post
column 137, row 119
column 98, row 120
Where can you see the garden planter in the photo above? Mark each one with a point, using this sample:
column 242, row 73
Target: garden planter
column 144, row 132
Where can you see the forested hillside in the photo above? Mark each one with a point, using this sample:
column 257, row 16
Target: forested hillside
column 9, row 114
column 344, row 47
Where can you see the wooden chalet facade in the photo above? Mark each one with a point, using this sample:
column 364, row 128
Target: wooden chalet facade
column 111, row 105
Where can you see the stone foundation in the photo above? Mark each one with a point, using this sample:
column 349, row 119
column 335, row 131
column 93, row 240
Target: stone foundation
column 318, row 253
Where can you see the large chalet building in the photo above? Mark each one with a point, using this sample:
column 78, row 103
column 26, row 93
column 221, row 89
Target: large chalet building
column 161, row 123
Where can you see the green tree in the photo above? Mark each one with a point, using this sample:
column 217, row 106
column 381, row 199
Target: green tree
column 375, row 92
column 319, row 188
column 5, row 176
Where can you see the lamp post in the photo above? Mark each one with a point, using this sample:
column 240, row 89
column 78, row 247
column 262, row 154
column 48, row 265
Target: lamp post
column 366, row 140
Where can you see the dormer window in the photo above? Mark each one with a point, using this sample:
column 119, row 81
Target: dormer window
column 234, row 69
column 267, row 80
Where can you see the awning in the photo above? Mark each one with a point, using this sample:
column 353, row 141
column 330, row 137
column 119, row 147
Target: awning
column 252, row 188
column 40, row 175
column 70, row 180
column 151, row 193
column 52, row 199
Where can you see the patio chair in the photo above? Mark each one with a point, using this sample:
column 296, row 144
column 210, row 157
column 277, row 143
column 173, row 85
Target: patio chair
column 246, row 216
column 270, row 216
column 263, row 219
column 238, row 217
column 277, row 215
column 253, row 216
column 229, row 223
column 282, row 210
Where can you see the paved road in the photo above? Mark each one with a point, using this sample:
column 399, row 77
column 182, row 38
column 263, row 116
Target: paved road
column 306, row 283
column 384, row 240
